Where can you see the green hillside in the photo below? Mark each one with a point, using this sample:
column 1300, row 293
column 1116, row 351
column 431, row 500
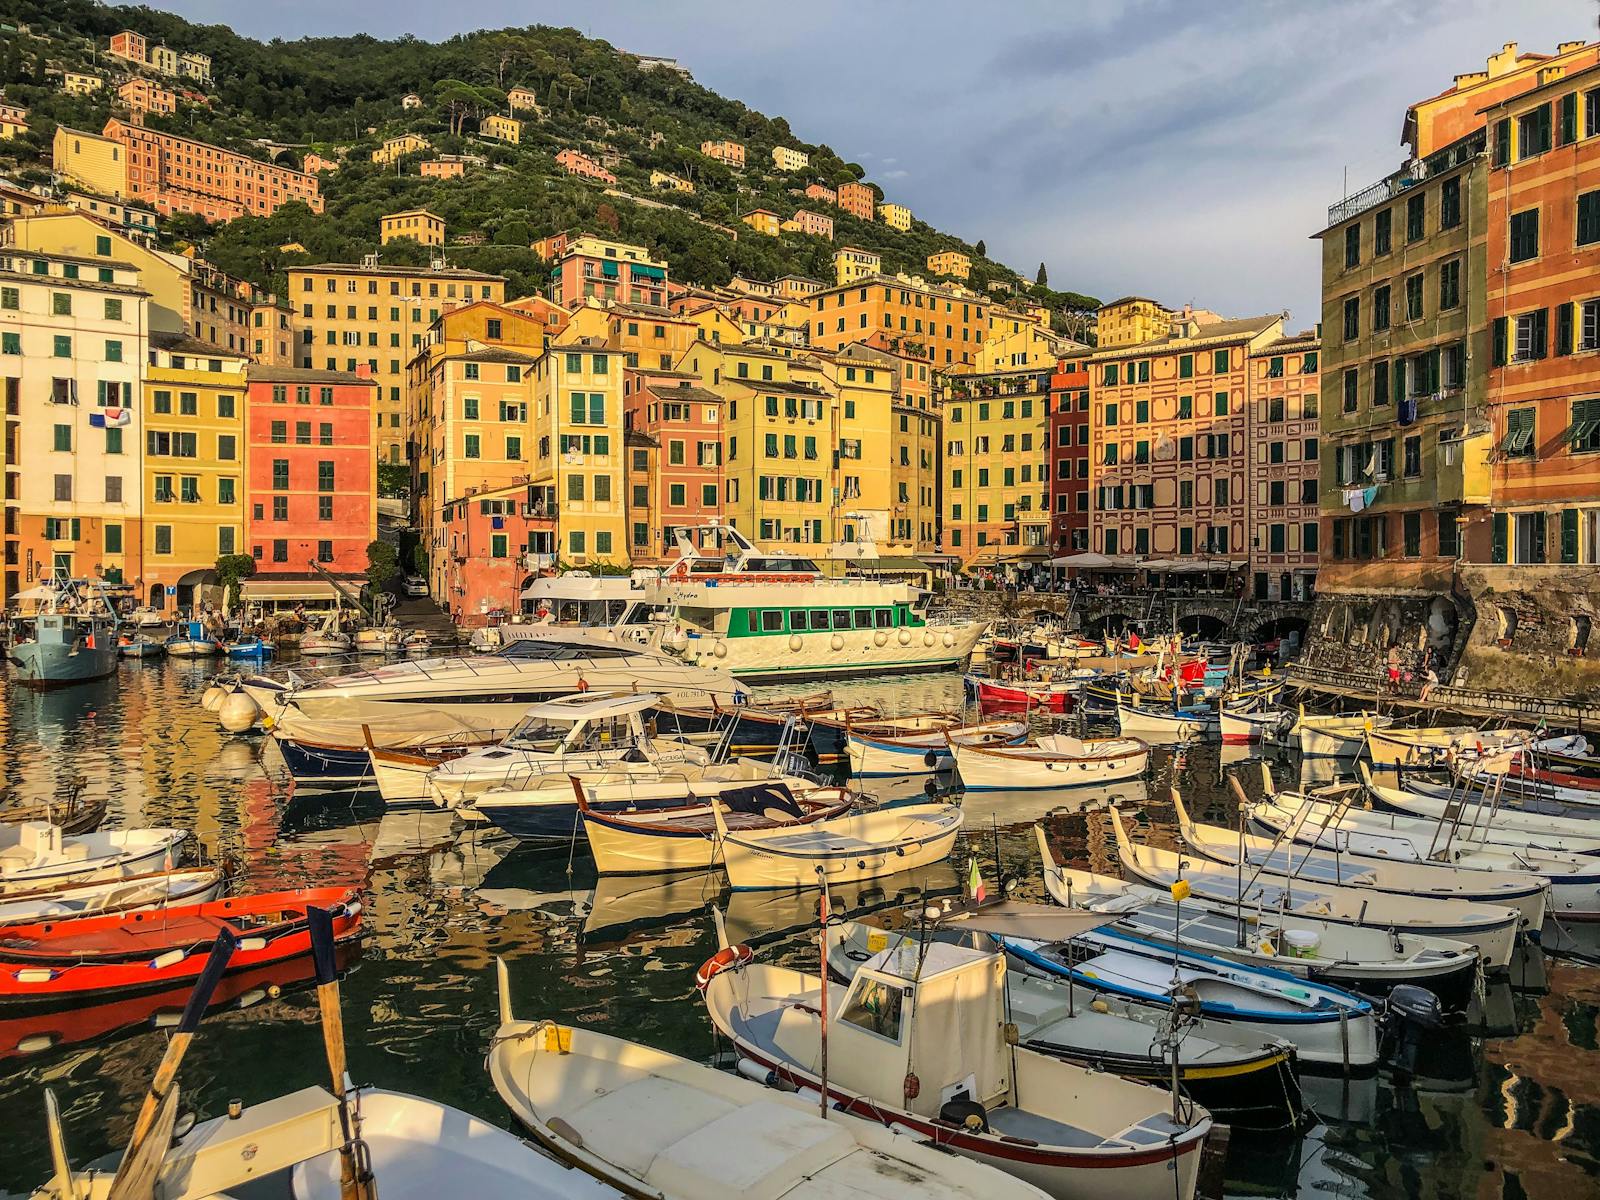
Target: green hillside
column 344, row 95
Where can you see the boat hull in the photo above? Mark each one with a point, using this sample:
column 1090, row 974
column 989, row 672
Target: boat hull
column 556, row 818
column 1162, row 726
column 981, row 770
column 839, row 654
column 314, row 763
column 44, row 665
column 883, row 843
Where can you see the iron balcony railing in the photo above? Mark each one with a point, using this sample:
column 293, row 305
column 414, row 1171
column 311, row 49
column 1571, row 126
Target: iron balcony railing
column 1416, row 171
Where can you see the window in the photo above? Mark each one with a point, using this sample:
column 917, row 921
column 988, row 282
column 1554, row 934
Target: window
column 1520, row 431
column 63, row 346
column 63, row 438
column 1533, row 132
column 1352, row 318
column 1449, row 535
column 1351, row 394
column 1450, row 203
column 1380, row 308
column 113, row 350
column 1380, row 232
column 1414, row 297
column 1220, row 404
column 324, row 551
column 1219, row 360
column 1585, row 433
column 1380, row 384
column 10, row 343
column 280, row 508
column 1449, row 283
column 1412, row 462
column 1532, row 331
column 1414, row 217
column 324, row 508
column 113, row 441
column 473, row 446
column 61, row 304
column 280, row 474
column 1525, row 235
column 1411, row 526
column 163, row 539
column 1589, row 325
column 324, row 476
column 1589, row 211
column 280, row 550
column 1352, row 245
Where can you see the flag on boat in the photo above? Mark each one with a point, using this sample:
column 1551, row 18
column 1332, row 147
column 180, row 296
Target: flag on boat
column 110, row 418
column 975, row 883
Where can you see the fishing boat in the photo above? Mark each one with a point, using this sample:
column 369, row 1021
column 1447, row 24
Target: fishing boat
column 1336, row 823
column 1334, row 735
column 1261, row 857
column 1370, row 962
column 1481, row 779
column 145, row 617
column 1527, row 786
column 584, row 731
column 151, row 889
column 190, row 640
column 1050, row 695
column 327, row 638
column 841, row 849
column 1250, row 1086
column 1416, row 746
column 332, row 750
column 1241, row 727
column 65, row 962
column 401, row 772
column 656, row 1125
column 919, row 744
column 140, row 648
column 71, row 814
column 36, row 854
column 1487, row 820
column 71, row 637
column 758, row 728
column 546, row 810
column 685, row 838
column 495, row 689
column 1165, row 724
column 919, row 1043
column 1054, row 760
column 1490, row 928
column 251, row 648
column 380, row 639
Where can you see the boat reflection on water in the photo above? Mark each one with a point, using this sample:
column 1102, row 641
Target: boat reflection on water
column 36, row 1033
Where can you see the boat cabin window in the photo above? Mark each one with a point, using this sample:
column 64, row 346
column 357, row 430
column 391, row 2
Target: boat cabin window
column 863, row 618
column 780, row 566
column 772, row 621
column 799, row 620
column 883, row 618
column 875, row 1006
column 538, row 648
column 841, row 618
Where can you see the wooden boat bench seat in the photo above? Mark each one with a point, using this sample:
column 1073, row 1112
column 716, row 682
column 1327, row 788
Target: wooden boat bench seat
column 1019, row 1123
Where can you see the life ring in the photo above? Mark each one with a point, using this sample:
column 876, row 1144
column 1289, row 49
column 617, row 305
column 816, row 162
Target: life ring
column 905, row 637
column 836, row 642
column 795, row 643
column 728, row 956
column 879, row 637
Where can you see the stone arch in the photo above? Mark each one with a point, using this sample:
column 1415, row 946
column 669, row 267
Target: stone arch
column 1204, row 625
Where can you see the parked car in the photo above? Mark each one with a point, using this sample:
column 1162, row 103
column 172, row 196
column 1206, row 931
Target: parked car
column 416, row 585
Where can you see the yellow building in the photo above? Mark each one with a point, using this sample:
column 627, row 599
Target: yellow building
column 398, row 147
column 272, row 332
column 851, row 264
column 1019, row 340
column 418, row 224
column 521, row 99
column 13, row 121
column 763, row 221
column 76, row 83
column 651, row 339
column 779, row 434
column 91, row 161
column 502, row 129
column 1131, row 320
column 786, row 158
column 996, row 507
column 863, row 389
column 351, row 314
column 578, row 450
column 950, row 262
column 192, row 416
column 665, row 182
column 895, row 216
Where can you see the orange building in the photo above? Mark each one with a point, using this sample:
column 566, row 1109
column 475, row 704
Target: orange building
column 1282, row 404
column 130, row 46
column 1544, row 313
column 441, row 168
column 858, row 199
column 817, row 191
column 175, row 174
column 730, row 153
column 673, row 436
column 142, row 96
column 810, row 223
column 575, row 162
column 942, row 325
column 1458, row 110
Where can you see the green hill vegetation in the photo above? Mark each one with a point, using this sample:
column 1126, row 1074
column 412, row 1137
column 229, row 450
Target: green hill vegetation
column 342, row 97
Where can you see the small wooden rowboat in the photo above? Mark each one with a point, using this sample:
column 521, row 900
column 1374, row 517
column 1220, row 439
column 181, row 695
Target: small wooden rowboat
column 402, row 771
column 1052, row 695
column 34, row 855
column 190, row 885
column 64, row 962
column 917, row 744
column 1056, row 760
column 1165, row 723
column 840, row 850
column 1240, row 728
column 72, row 816
column 1335, row 735
column 684, row 838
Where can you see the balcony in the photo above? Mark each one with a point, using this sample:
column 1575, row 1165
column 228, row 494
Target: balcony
column 1415, row 172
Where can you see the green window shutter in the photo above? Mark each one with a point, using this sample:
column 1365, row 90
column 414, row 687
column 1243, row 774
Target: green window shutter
column 1564, row 329
column 1569, row 533
column 1569, row 119
column 1499, row 341
column 1502, row 148
column 1433, row 371
column 1541, row 332
column 1497, row 551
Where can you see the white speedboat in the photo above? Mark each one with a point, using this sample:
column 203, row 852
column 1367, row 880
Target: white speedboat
column 1491, row 928
column 585, row 731
column 380, row 639
column 917, row 744
column 838, row 850
column 1241, row 727
column 659, row 1126
column 102, row 897
column 34, row 854
column 1500, row 825
column 918, row 1042
column 496, row 689
column 1519, row 891
column 1370, row 962
column 1055, row 760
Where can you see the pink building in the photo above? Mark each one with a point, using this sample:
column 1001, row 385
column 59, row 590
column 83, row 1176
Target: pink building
column 674, row 468
column 576, row 163
column 816, row 191
column 813, row 223
column 310, row 485
column 489, row 537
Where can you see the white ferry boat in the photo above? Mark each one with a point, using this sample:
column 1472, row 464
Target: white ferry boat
column 769, row 616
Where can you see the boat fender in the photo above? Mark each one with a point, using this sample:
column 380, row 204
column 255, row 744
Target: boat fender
column 879, row 637
column 720, row 650
column 34, row 975
column 949, row 640
column 238, row 712
column 213, row 698
column 931, row 758
column 795, row 643
column 728, row 956
column 1099, row 1006
column 170, row 959
column 911, row 1086
column 904, row 637
column 252, row 944
column 751, row 1069
column 836, row 642
column 930, row 789
column 35, row 1043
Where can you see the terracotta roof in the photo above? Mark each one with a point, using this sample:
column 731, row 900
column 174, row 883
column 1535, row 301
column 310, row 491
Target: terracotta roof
column 493, row 354
column 696, row 395
column 303, row 375
column 182, row 343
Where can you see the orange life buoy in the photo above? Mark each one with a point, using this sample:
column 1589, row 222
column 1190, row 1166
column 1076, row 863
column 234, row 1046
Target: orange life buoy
column 728, row 956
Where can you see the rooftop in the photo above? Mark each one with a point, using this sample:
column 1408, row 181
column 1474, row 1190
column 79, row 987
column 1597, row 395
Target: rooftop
column 259, row 374
column 1440, row 162
column 1239, row 329
column 401, row 272
column 183, row 344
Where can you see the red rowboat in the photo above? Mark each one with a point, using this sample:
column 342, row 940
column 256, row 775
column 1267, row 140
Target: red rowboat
column 68, row 962
column 1055, row 696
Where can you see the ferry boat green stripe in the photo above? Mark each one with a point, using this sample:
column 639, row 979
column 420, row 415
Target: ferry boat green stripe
column 751, row 622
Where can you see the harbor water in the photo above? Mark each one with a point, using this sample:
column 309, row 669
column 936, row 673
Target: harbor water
column 1509, row 1106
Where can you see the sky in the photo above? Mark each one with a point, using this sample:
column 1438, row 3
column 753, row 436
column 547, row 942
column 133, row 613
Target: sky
column 1185, row 151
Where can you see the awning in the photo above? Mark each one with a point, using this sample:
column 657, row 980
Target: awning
column 892, row 563
column 1200, row 564
column 1010, row 554
column 295, row 589
column 608, row 269
column 649, row 272
column 1088, row 560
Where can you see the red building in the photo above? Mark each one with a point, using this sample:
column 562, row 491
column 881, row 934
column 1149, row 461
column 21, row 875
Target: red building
column 310, row 486
column 1069, row 456
column 492, row 540
column 674, row 469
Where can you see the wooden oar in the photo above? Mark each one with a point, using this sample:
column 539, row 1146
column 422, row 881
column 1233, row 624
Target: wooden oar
column 162, row 1085
column 355, row 1170
column 58, row 1148
column 139, row 1169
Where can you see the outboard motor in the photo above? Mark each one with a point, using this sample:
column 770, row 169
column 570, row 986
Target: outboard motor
column 1412, row 1016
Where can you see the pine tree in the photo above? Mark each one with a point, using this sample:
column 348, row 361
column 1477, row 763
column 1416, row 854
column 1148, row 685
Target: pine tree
column 1042, row 279
column 983, row 251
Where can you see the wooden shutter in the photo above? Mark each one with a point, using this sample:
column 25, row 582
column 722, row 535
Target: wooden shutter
column 1569, row 533
column 1498, row 549
column 1541, row 332
column 1564, row 329
column 1499, row 341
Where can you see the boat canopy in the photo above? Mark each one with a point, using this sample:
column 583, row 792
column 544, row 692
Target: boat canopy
column 587, row 707
column 1018, row 919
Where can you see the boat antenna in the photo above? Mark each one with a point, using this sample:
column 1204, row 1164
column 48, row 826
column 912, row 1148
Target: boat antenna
column 355, row 1165
column 822, row 968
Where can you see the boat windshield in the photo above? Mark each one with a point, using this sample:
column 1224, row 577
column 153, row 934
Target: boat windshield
column 542, row 649
column 538, row 733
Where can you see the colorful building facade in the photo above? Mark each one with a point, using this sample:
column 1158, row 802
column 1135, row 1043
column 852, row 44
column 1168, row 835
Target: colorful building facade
column 1067, row 430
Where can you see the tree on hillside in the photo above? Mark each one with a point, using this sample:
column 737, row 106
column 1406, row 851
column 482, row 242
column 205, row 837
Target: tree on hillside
column 461, row 100
column 983, row 251
column 1042, row 279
